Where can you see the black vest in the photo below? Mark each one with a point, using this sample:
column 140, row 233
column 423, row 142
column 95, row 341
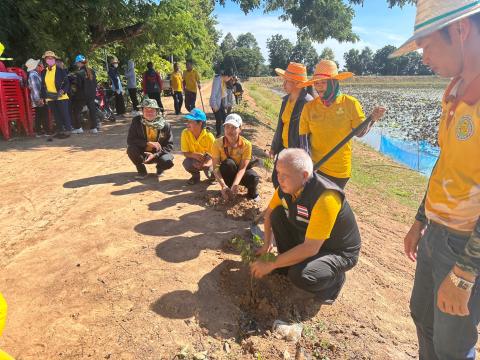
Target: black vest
column 345, row 237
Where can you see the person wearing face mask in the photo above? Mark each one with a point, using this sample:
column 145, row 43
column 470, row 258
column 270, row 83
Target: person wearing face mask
column 132, row 85
column 117, row 88
column 152, row 85
column 329, row 118
column 315, row 230
column 286, row 134
column 55, row 86
column 86, row 86
column 150, row 140
column 231, row 156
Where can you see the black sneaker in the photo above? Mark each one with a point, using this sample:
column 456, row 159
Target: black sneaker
column 194, row 180
column 160, row 173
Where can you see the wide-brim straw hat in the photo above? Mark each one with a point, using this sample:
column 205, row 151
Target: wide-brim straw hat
column 31, row 64
column 49, row 53
column 294, row 72
column 433, row 15
column 326, row 70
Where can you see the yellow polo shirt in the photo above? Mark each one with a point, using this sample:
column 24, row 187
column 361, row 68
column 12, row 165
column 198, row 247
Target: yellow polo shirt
column 50, row 82
column 202, row 145
column 327, row 126
column 324, row 213
column 176, row 81
column 152, row 135
column 453, row 195
column 242, row 152
column 191, row 79
column 3, row 318
column 286, row 115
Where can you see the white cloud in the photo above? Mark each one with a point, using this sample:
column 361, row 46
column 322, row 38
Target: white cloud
column 265, row 25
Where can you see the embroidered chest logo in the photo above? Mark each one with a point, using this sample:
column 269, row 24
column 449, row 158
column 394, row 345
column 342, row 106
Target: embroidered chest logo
column 465, row 128
column 340, row 111
column 302, row 211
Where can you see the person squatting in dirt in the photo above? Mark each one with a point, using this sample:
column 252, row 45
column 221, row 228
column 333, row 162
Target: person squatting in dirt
column 444, row 240
column 232, row 160
column 150, row 140
column 196, row 145
column 328, row 119
column 286, row 133
column 315, row 230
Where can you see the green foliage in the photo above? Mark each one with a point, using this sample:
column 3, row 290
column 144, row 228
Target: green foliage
column 247, row 249
column 366, row 63
column 242, row 56
column 317, row 20
column 142, row 30
column 303, row 52
column 268, row 164
column 279, row 50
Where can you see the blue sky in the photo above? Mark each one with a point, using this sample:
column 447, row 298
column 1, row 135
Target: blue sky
column 375, row 23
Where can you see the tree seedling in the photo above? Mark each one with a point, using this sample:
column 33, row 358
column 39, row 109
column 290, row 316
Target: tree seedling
column 248, row 249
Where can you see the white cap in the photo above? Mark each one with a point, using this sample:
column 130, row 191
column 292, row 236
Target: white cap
column 31, row 64
column 233, row 119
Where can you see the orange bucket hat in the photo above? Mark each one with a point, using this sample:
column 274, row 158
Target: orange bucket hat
column 294, row 72
column 326, row 70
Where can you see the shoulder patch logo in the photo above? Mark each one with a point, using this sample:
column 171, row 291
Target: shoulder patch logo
column 465, row 128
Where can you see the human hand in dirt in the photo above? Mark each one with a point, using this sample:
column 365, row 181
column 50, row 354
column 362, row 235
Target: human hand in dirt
column 149, row 158
column 265, row 249
column 378, row 113
column 156, row 145
column 410, row 243
column 235, row 189
column 259, row 268
column 452, row 299
column 227, row 193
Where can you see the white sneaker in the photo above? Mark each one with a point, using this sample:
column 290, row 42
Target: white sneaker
column 94, row 131
column 77, row 131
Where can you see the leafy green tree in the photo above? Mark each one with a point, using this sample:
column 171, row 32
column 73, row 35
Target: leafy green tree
column 229, row 43
column 366, row 61
column 245, row 58
column 385, row 66
column 352, row 61
column 318, row 20
column 304, row 52
column 279, row 50
column 327, row 54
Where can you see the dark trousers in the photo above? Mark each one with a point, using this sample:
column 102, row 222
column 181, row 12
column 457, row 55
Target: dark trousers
column 41, row 120
column 220, row 116
column 137, row 156
column 132, row 92
column 238, row 99
column 156, row 96
column 61, row 113
column 177, row 101
column 229, row 169
column 341, row 182
column 322, row 274
column 119, row 104
column 190, row 98
column 78, row 105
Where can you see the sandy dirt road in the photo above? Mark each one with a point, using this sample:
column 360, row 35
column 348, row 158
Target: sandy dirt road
column 95, row 265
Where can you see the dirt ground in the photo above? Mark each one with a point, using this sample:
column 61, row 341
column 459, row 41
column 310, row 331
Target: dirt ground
column 96, row 265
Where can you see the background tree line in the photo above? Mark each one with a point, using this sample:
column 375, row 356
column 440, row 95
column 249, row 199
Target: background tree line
column 361, row 62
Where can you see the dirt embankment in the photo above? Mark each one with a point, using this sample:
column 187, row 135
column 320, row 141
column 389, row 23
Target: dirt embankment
column 96, row 265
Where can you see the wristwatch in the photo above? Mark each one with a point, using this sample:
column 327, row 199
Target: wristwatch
column 461, row 283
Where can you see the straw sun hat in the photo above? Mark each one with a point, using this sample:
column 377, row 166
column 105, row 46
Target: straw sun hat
column 294, row 72
column 433, row 15
column 326, row 70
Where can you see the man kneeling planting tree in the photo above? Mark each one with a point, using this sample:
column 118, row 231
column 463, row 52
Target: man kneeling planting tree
column 314, row 227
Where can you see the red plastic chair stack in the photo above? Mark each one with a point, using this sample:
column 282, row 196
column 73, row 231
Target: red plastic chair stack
column 12, row 107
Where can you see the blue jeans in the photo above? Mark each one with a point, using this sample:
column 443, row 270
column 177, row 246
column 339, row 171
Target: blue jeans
column 440, row 335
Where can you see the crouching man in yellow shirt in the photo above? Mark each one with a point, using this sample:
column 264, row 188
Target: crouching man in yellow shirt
column 314, row 227
column 231, row 155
